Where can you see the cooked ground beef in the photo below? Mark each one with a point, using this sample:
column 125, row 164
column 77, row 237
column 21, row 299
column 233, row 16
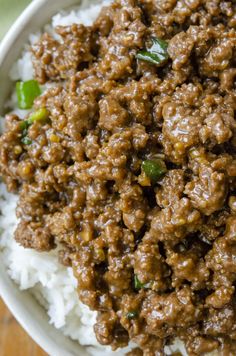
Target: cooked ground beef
column 154, row 255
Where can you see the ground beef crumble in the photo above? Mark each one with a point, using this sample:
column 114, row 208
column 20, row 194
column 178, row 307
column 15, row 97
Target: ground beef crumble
column 157, row 260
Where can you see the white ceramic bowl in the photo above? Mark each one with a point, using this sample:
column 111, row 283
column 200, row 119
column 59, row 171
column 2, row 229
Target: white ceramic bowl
column 23, row 306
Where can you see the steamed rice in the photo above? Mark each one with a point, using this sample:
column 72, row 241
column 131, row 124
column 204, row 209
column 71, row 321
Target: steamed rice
column 52, row 284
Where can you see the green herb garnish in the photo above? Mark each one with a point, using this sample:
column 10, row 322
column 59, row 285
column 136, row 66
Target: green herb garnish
column 156, row 54
column 138, row 285
column 24, row 125
column 41, row 115
column 154, row 169
column 26, row 93
column 132, row 315
column 26, row 140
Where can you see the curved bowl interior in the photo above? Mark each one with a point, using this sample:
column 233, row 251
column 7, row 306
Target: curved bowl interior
column 24, row 307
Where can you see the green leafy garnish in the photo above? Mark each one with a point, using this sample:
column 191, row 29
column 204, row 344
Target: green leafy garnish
column 26, row 140
column 156, row 54
column 138, row 285
column 154, row 169
column 41, row 115
column 24, row 125
column 132, row 314
column 26, row 93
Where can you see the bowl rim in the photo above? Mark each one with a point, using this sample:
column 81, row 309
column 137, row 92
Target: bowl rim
column 21, row 303
column 11, row 35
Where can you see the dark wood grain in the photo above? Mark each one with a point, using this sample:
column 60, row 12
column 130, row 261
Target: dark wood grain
column 14, row 341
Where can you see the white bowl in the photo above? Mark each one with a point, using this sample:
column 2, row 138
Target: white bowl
column 24, row 307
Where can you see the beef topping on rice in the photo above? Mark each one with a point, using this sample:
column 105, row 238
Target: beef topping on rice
column 128, row 162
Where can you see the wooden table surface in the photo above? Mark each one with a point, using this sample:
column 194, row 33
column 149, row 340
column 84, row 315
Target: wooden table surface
column 13, row 339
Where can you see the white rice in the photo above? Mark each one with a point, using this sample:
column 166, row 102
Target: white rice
column 52, row 284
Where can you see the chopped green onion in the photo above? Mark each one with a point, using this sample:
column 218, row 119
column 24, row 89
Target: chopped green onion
column 26, row 140
column 132, row 314
column 24, row 125
column 156, row 54
column 41, row 115
column 26, row 93
column 139, row 285
column 154, row 169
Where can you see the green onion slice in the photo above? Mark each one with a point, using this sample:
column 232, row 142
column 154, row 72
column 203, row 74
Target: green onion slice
column 41, row 115
column 154, row 169
column 132, row 314
column 156, row 54
column 138, row 285
column 26, row 140
column 26, row 93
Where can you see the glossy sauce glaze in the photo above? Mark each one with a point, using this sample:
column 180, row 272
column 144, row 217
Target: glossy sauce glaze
column 131, row 168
